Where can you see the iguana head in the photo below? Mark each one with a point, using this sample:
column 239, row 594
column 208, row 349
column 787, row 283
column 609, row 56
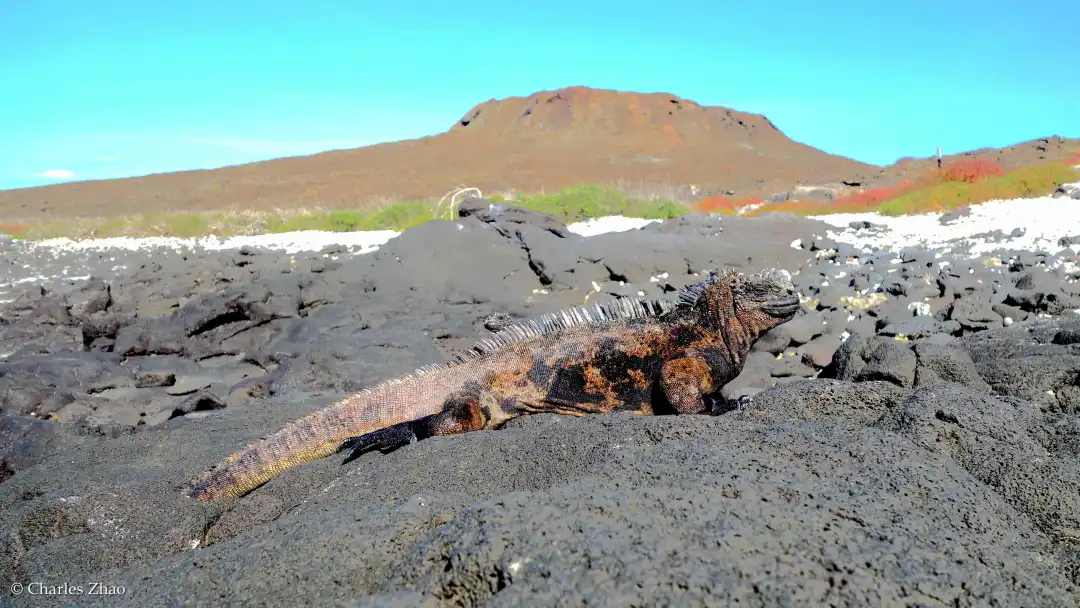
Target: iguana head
column 758, row 302
column 763, row 300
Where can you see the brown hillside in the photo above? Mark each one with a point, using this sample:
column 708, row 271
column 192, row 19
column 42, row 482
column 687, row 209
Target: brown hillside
column 1054, row 148
column 547, row 140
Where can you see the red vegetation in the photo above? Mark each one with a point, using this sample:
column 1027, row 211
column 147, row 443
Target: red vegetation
column 13, row 228
column 720, row 204
column 867, row 199
column 971, row 170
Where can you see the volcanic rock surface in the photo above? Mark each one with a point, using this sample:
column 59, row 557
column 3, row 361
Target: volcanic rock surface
column 912, row 437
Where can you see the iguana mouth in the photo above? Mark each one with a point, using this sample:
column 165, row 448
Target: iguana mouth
column 780, row 308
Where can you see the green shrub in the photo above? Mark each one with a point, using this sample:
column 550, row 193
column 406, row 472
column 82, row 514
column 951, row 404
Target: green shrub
column 1025, row 182
column 293, row 223
column 185, row 225
column 399, row 216
column 576, row 203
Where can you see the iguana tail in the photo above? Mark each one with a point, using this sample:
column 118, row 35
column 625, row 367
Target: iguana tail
column 321, row 433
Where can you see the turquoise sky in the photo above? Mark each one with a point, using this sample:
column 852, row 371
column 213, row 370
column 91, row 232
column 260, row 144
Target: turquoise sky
column 114, row 88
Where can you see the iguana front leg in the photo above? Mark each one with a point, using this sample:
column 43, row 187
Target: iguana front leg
column 686, row 381
column 461, row 413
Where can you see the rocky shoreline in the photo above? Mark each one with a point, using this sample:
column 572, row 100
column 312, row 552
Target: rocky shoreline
column 912, row 437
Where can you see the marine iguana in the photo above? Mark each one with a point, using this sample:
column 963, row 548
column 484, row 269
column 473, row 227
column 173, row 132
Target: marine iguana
column 638, row 355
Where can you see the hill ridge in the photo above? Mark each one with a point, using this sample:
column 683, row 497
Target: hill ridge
column 542, row 141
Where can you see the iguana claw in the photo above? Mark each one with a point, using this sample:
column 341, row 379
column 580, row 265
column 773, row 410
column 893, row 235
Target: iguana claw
column 385, row 440
column 718, row 405
column 743, row 402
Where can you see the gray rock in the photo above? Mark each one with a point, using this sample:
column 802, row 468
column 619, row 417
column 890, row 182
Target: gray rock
column 865, row 225
column 1067, row 191
column 189, row 384
column 805, row 328
column 819, row 351
column 986, row 437
column 913, row 327
column 937, row 363
column 862, row 358
column 951, row 216
column 973, row 315
column 490, row 212
column 774, row 342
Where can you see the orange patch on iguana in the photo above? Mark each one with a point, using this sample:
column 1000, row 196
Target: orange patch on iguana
column 596, row 383
column 642, row 345
column 635, row 346
column 462, row 416
column 689, row 371
column 757, row 322
column 508, row 381
column 637, row 377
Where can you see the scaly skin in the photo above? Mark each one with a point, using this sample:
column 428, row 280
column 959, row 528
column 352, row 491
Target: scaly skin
column 641, row 356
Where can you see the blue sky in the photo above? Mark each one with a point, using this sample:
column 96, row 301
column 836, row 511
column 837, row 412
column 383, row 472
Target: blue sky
column 114, row 88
